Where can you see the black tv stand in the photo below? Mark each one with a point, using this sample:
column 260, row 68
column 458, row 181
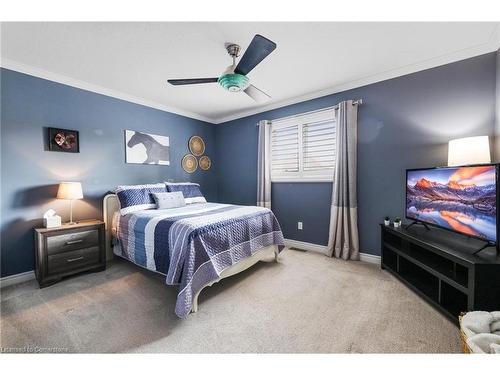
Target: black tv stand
column 486, row 245
column 418, row 222
column 445, row 270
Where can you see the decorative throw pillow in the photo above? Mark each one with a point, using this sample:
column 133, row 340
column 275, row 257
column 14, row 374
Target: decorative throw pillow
column 169, row 200
column 190, row 190
column 137, row 197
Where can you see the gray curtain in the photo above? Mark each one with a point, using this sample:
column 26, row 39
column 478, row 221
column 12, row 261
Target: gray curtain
column 343, row 241
column 264, row 165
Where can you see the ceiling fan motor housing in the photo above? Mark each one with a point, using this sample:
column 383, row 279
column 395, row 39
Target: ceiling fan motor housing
column 234, row 82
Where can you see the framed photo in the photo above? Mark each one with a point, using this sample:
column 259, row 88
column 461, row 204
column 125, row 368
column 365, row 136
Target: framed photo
column 142, row 148
column 64, row 140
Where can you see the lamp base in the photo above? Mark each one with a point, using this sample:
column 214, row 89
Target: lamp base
column 71, row 222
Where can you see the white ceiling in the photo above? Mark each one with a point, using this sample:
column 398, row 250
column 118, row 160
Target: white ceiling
column 132, row 61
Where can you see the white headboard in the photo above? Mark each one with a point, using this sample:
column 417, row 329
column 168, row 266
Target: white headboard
column 110, row 205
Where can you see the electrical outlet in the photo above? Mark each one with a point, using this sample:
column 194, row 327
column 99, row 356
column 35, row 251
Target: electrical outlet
column 299, row 225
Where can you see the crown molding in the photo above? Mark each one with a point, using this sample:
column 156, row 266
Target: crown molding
column 492, row 45
column 73, row 82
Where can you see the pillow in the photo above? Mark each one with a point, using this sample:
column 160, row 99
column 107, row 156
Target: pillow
column 137, row 197
column 169, row 200
column 190, row 190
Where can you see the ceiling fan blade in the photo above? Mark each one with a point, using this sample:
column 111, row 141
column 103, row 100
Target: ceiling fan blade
column 256, row 94
column 191, row 81
column 257, row 51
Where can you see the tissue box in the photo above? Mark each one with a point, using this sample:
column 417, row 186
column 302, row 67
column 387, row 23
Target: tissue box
column 52, row 222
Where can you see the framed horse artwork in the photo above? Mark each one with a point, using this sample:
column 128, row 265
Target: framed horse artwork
column 142, row 148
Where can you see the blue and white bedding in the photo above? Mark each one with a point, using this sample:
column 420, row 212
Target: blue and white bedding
column 137, row 197
column 190, row 190
column 192, row 245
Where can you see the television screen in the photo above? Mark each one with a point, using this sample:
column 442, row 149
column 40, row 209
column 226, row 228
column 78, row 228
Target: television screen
column 462, row 199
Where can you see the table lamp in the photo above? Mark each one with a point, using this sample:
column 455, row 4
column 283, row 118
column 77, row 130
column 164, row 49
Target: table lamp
column 470, row 150
column 71, row 191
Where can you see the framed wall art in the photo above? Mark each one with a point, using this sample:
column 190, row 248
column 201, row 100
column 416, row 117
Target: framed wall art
column 143, row 148
column 64, row 140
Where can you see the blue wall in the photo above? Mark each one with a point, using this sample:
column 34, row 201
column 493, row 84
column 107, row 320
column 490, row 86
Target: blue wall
column 30, row 174
column 404, row 122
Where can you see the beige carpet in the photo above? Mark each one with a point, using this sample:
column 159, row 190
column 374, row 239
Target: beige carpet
column 306, row 303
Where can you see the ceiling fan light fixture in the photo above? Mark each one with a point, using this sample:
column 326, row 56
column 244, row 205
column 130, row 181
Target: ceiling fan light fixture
column 234, row 78
column 234, row 82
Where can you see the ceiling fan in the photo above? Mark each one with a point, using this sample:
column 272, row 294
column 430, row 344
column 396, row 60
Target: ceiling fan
column 234, row 78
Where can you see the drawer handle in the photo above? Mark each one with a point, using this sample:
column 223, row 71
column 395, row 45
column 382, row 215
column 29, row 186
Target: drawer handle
column 73, row 242
column 74, row 259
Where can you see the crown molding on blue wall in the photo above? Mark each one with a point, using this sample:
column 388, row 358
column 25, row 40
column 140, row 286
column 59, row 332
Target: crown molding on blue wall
column 492, row 45
column 69, row 81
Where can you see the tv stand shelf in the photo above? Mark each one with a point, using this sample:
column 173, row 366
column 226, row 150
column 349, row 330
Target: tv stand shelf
column 442, row 269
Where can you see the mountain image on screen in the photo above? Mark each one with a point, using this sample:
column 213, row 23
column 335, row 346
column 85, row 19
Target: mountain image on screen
column 462, row 199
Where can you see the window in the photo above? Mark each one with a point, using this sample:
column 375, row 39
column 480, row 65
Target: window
column 303, row 147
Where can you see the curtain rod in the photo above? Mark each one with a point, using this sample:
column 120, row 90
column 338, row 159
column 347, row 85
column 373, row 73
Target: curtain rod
column 354, row 102
column 357, row 102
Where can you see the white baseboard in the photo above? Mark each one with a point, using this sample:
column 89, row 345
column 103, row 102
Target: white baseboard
column 364, row 257
column 306, row 246
column 16, row 279
column 369, row 258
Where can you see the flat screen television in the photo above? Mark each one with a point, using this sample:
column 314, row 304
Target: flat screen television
column 461, row 199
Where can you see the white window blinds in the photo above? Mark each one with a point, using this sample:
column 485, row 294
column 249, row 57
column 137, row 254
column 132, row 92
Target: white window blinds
column 318, row 146
column 285, row 150
column 303, row 147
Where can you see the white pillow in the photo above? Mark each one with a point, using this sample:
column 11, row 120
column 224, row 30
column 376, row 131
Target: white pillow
column 169, row 200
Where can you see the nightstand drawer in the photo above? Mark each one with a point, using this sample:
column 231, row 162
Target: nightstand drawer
column 72, row 241
column 70, row 260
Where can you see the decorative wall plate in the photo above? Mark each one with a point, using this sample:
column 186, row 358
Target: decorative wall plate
column 196, row 145
column 189, row 163
column 205, row 163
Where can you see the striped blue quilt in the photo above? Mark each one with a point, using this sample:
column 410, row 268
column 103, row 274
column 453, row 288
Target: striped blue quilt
column 192, row 245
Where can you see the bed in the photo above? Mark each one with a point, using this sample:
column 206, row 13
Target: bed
column 193, row 246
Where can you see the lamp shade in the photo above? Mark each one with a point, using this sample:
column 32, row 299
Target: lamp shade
column 70, row 190
column 470, row 150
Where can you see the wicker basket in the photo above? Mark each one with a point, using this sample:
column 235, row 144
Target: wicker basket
column 463, row 337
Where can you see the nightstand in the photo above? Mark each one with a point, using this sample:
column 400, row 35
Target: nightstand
column 68, row 250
